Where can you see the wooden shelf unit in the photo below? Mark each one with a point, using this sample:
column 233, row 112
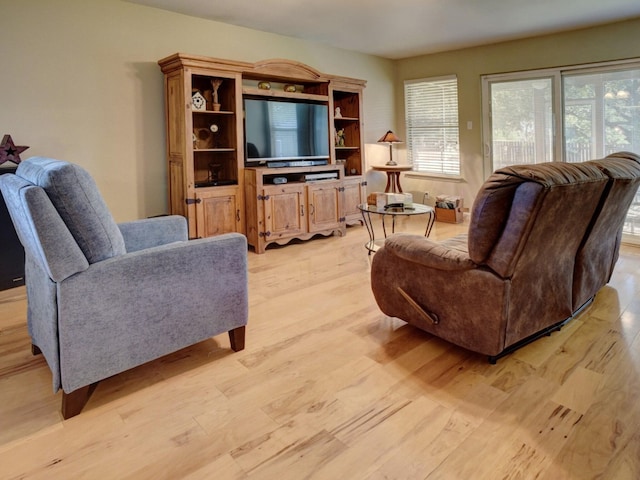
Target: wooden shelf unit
column 299, row 208
column 208, row 182
column 346, row 96
column 204, row 146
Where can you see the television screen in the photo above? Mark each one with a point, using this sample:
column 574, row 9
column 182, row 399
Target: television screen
column 285, row 129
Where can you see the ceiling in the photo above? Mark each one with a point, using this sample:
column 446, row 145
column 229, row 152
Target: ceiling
column 406, row 28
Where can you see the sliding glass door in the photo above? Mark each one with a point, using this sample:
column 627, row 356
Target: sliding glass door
column 522, row 125
column 601, row 113
column 572, row 114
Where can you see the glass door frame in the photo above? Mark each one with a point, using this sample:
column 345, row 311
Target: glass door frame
column 555, row 75
column 558, row 113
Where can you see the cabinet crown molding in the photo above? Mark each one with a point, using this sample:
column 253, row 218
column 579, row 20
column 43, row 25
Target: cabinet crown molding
column 278, row 68
column 271, row 69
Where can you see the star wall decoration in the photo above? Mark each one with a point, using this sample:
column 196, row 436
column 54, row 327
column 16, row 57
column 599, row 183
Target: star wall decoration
column 9, row 152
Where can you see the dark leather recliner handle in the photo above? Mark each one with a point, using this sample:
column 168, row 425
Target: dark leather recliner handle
column 431, row 317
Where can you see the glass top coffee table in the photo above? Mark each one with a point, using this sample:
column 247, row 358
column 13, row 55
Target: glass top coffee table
column 407, row 210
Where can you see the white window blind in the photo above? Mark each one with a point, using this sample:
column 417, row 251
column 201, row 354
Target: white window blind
column 431, row 114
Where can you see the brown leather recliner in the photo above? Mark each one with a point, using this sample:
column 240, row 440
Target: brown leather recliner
column 599, row 252
column 542, row 240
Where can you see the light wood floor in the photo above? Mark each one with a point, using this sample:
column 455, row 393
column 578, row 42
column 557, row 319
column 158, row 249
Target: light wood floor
column 329, row 388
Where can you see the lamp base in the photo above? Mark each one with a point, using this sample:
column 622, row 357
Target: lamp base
column 391, row 163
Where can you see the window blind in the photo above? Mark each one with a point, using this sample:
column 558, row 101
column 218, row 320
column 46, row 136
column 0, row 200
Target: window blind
column 431, row 115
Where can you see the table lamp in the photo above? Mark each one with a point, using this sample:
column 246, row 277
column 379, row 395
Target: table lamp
column 390, row 138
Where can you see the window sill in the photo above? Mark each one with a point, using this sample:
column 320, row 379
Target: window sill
column 435, row 177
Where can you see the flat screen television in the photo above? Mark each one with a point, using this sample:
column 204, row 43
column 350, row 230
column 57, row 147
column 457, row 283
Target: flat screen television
column 285, row 130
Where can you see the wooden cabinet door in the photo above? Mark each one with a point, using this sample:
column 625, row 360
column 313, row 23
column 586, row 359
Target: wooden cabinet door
column 284, row 211
column 352, row 196
column 219, row 211
column 324, row 206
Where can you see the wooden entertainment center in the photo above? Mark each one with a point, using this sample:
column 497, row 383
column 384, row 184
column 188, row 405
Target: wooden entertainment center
column 208, row 180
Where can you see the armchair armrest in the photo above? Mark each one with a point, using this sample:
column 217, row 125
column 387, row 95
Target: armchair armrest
column 152, row 232
column 133, row 308
column 423, row 251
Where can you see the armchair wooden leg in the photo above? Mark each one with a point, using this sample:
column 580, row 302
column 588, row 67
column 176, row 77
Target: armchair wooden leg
column 74, row 402
column 236, row 337
column 35, row 350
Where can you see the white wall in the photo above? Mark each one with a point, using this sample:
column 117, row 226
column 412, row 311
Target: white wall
column 80, row 82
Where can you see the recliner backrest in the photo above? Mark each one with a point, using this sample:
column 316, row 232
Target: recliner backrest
column 42, row 232
column 537, row 237
column 75, row 196
column 516, row 199
column 600, row 248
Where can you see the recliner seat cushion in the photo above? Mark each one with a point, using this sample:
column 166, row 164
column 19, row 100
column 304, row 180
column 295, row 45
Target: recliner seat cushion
column 76, row 197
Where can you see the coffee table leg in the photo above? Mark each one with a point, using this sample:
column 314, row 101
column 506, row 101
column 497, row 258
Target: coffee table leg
column 366, row 217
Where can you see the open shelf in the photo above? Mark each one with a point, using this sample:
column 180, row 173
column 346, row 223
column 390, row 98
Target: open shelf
column 197, row 150
column 282, row 94
column 213, row 112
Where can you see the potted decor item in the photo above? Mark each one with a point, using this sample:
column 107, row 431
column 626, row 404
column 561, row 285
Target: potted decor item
column 215, row 83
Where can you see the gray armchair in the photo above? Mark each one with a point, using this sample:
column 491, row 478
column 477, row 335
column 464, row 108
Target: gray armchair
column 104, row 298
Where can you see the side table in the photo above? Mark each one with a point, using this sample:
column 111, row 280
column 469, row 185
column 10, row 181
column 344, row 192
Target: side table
column 412, row 209
column 393, row 176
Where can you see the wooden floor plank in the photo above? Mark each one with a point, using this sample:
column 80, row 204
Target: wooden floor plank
column 329, row 388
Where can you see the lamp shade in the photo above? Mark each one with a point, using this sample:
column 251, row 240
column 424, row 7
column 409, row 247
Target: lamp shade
column 389, row 137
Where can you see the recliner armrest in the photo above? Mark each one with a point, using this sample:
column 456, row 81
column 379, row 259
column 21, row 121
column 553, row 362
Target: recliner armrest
column 152, row 232
column 423, row 251
column 187, row 265
column 135, row 307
